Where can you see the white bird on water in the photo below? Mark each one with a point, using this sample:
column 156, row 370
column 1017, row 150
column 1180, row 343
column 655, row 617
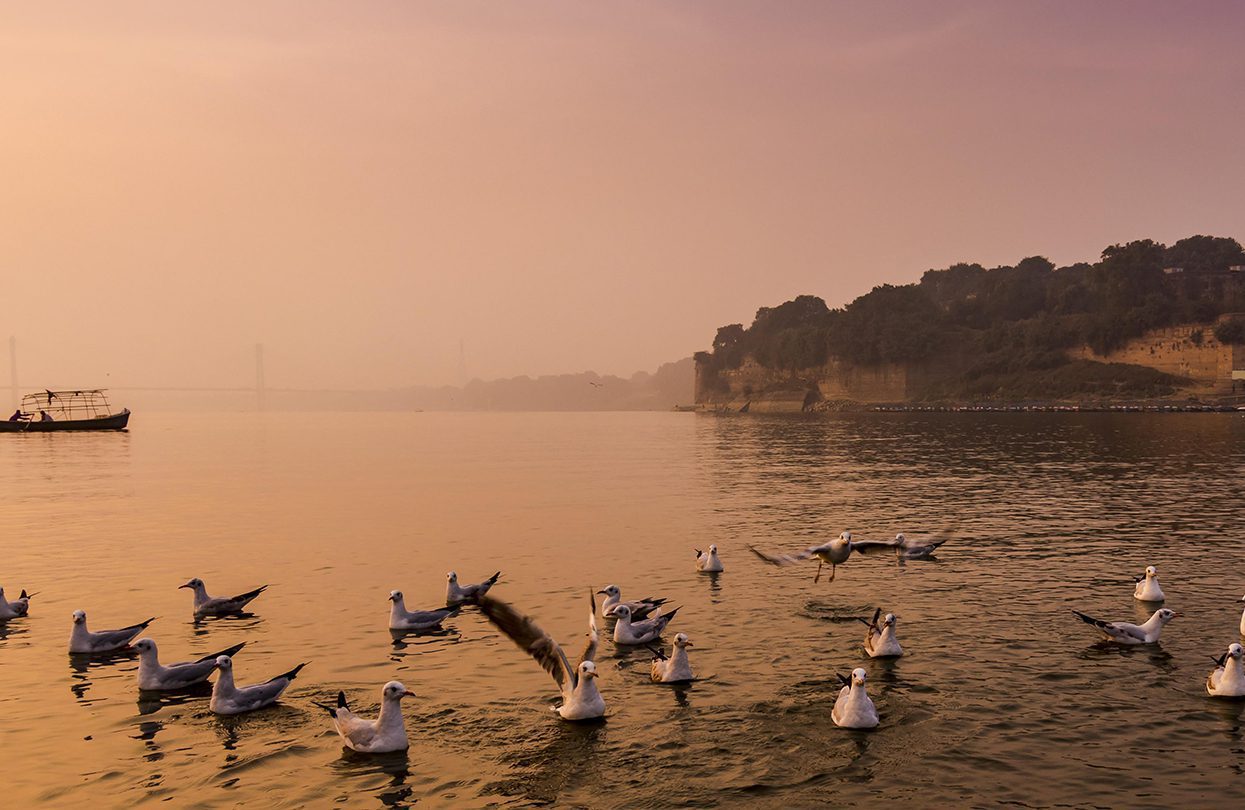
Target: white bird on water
column 640, row 608
column 227, row 698
column 914, row 549
column 385, row 734
column 880, row 641
column 628, row 632
column 1147, row 588
column 219, row 605
column 580, row 698
column 676, row 668
column 1228, row 678
column 1127, row 633
column 152, row 676
column 402, row 619
column 456, row 594
column 82, row 640
column 17, row 608
column 707, row 562
column 853, row 708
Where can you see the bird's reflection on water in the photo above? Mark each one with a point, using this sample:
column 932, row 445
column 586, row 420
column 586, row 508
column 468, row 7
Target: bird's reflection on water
column 353, row 768
column 1152, row 654
column 81, row 665
column 240, row 623
column 150, row 702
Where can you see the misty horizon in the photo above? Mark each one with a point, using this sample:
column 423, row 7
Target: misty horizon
column 365, row 190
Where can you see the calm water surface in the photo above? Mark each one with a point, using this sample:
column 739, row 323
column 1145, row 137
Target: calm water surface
column 1003, row 698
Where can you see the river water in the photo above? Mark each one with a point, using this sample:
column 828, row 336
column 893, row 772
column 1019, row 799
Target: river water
column 1003, row 697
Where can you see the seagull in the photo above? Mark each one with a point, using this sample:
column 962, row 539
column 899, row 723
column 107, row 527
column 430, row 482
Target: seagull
column 880, row 641
column 402, row 619
column 708, row 562
column 853, row 708
column 1228, row 679
column 629, row 632
column 1125, row 633
column 580, row 698
column 82, row 640
column 456, row 594
column 640, row 609
column 154, row 677
column 676, row 668
column 219, row 605
column 834, row 553
column 17, row 608
column 913, row 549
column 1147, row 588
column 230, row 699
column 385, row 734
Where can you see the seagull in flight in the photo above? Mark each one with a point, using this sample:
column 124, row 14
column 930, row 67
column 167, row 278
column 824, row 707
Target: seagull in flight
column 219, row 605
column 230, row 699
column 834, row 553
column 1126, row 633
column 580, row 698
column 456, row 594
column 82, row 640
column 385, row 734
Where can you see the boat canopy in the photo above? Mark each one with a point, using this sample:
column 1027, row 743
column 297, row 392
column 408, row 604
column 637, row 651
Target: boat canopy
column 69, row 405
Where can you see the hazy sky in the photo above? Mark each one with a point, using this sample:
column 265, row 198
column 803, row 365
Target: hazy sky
column 566, row 185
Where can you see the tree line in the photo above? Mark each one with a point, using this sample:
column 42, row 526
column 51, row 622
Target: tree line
column 1002, row 320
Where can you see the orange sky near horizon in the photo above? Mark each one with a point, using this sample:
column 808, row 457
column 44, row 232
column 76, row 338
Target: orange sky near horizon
column 563, row 185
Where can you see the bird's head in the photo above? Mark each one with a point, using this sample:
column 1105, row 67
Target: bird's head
column 79, row 617
column 681, row 641
column 1235, row 651
column 395, row 596
column 588, row 669
column 900, row 538
column 1165, row 615
column 145, row 645
column 858, row 677
column 224, row 663
column 1151, row 572
column 845, row 536
column 622, row 612
column 889, row 620
column 452, row 577
column 610, row 590
column 194, row 584
column 394, row 690
column 713, row 549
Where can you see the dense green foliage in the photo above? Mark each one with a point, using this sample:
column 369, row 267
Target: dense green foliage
column 1004, row 321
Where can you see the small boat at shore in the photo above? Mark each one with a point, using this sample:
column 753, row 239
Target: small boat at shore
column 46, row 411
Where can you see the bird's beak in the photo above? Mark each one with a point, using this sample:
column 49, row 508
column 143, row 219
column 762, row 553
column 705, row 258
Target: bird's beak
column 187, row 585
column 1176, row 613
column 607, row 594
column 408, row 693
column 688, row 644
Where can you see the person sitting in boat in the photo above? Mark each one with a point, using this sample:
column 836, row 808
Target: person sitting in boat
column 44, row 416
column 19, row 416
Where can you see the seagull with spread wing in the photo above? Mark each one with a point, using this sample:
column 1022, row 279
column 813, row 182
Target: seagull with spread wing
column 580, row 698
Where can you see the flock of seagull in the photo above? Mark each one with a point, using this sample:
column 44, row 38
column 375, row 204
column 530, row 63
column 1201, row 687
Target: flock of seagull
column 635, row 623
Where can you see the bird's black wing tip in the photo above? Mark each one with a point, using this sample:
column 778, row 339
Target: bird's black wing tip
column 341, row 700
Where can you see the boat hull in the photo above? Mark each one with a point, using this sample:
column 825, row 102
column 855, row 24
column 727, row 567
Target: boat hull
column 117, row 421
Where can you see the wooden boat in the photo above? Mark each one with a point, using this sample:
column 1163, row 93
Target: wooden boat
column 65, row 410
